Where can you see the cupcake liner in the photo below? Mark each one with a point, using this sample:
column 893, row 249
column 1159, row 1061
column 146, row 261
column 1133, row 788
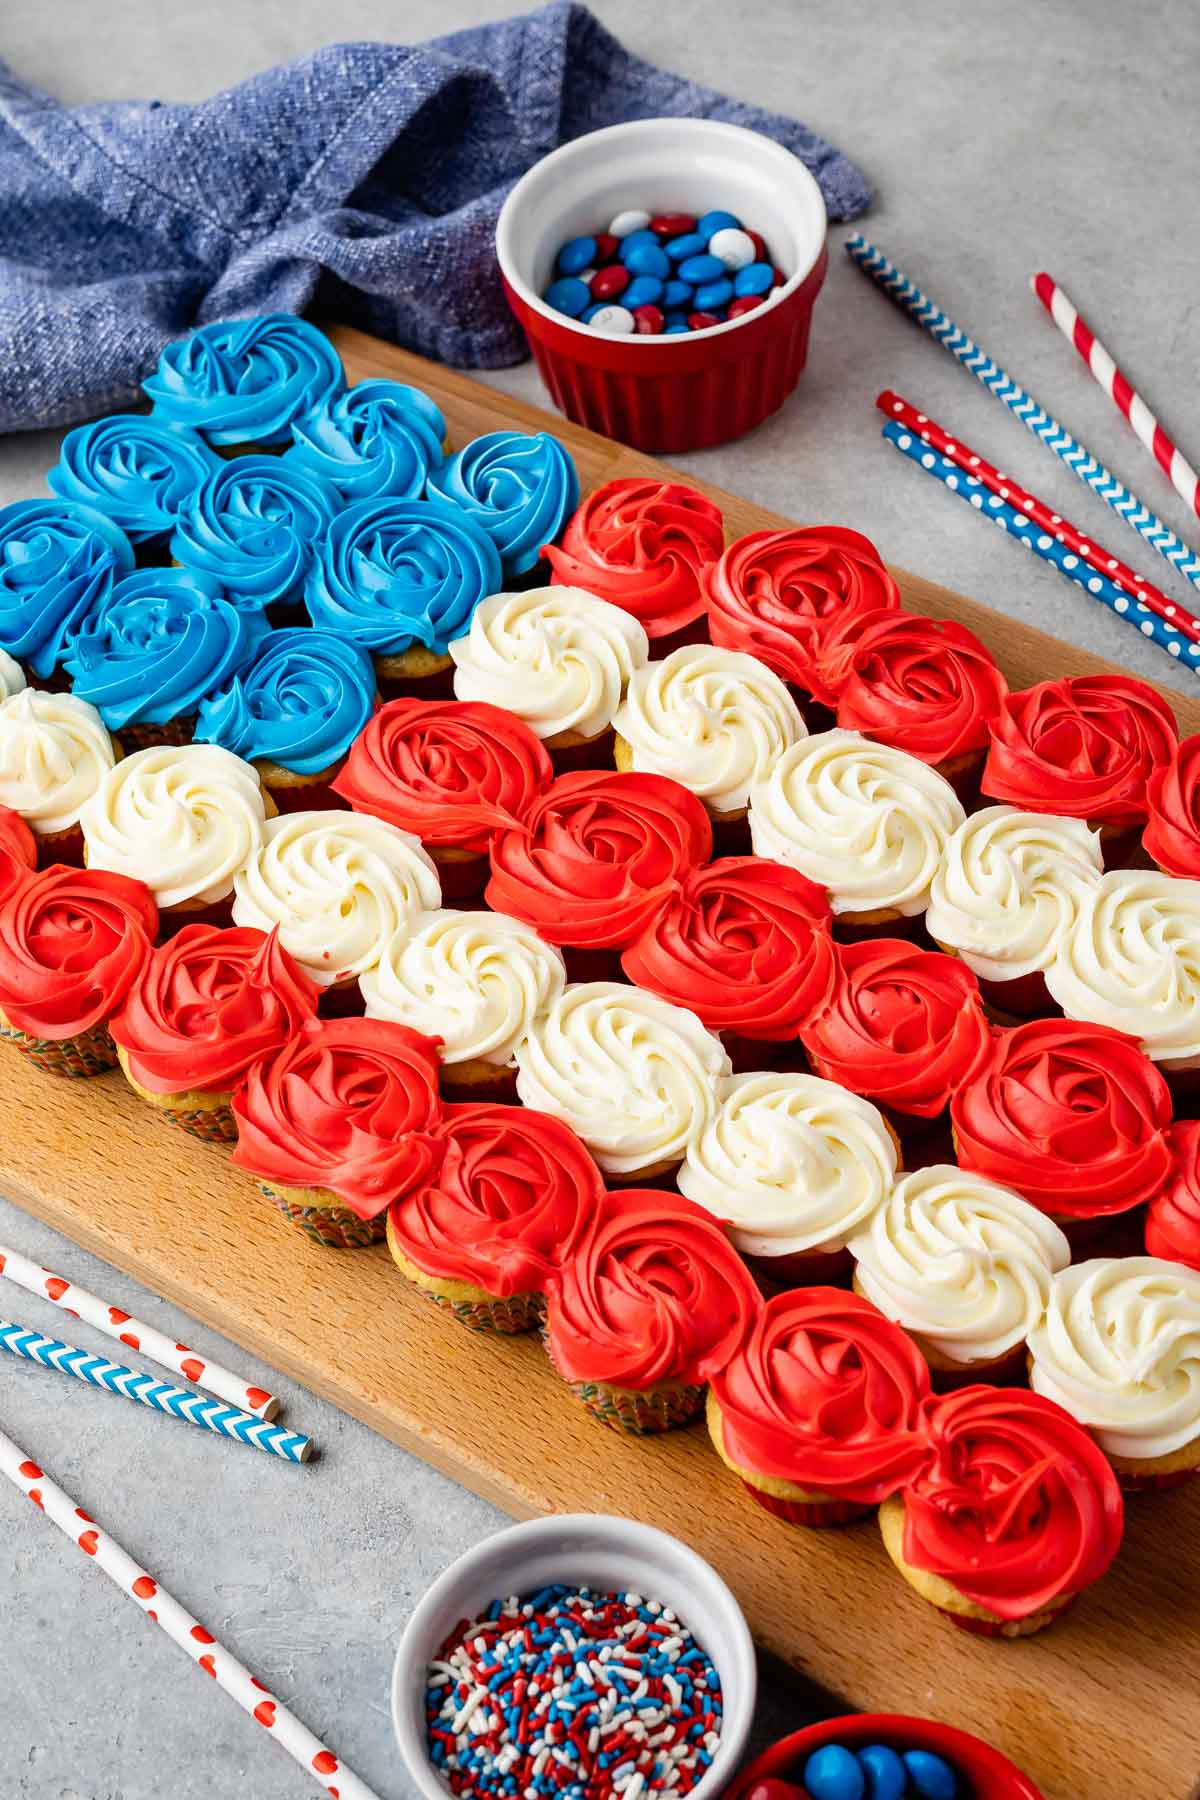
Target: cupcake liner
column 508, row 1318
column 211, row 1124
column 1133, row 1483
column 89, row 1053
column 334, row 1226
column 145, row 736
column 60, row 847
column 809, row 1512
column 1009, row 1628
column 643, row 1413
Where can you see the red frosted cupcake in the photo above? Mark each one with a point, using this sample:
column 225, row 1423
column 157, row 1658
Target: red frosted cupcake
column 653, row 1303
column 453, row 772
column 744, row 944
column 339, row 1123
column 794, row 598
column 1072, row 1116
column 1172, row 834
column 72, row 944
column 819, row 1411
column 1013, row 1514
column 208, row 1004
column 1173, row 1218
column 18, row 851
column 642, row 544
column 514, row 1193
column 905, row 1027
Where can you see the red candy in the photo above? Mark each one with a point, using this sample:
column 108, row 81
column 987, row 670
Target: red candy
column 607, row 246
column 777, row 278
column 760, row 249
column 743, row 304
column 700, row 321
column 608, row 283
column 648, row 320
column 670, row 225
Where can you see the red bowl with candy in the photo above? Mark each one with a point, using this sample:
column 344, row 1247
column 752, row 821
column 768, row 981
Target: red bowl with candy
column 985, row 1773
column 682, row 392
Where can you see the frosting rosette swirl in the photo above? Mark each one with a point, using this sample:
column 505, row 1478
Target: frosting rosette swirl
column 350, row 1105
column 54, row 753
column 393, row 573
column 255, row 526
column 557, row 657
column 1072, row 1116
column 1172, row 834
column 299, row 701
column 866, row 821
column 57, row 559
column 12, row 676
column 72, row 943
column 789, row 1163
column 904, row 1026
column 1119, row 1349
column 743, row 943
column 789, row 597
column 1007, row 889
column 1173, row 1216
column 451, row 772
column 714, row 720
column 926, row 685
column 1085, row 745
column 597, row 854
column 634, row 1077
column 245, row 381
column 520, row 486
column 653, row 1293
column 18, row 851
column 337, row 886
column 136, row 471
column 642, row 544
column 513, row 1194
column 379, row 437
column 207, row 1004
column 1017, row 1507
column 824, row 1393
column 959, row 1261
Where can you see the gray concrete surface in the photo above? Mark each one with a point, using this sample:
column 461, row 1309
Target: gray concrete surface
column 1047, row 133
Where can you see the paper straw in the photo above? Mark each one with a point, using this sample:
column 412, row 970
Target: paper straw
column 930, row 432
column 1120, row 390
column 115, row 1323
column 134, row 1384
column 1075, row 455
column 180, row 1626
column 1022, row 528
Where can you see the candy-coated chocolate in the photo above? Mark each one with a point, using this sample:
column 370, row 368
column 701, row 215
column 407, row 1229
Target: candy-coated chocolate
column 701, row 268
column 775, row 1789
column 607, row 283
column 755, row 278
column 744, row 303
column 575, row 255
column 617, row 320
column 760, row 248
column 677, row 293
column 670, row 225
column 676, row 320
column 733, row 247
column 833, row 1773
column 645, row 291
column 649, row 320
column 701, row 321
column 712, row 222
column 675, row 326
column 714, row 294
column 627, row 222
column 607, row 246
column 887, row 1778
column 931, row 1776
column 646, row 259
column 635, row 241
column 568, row 295
column 690, row 244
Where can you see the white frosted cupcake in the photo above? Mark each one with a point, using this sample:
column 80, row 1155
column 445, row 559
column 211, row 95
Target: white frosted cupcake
column 54, row 752
column 477, row 981
column 865, row 821
column 635, row 1077
column 12, row 676
column 793, row 1166
column 964, row 1265
column 716, row 721
column 1119, row 1348
column 338, row 886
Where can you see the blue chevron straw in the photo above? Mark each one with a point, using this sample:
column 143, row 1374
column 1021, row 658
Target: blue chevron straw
column 1023, row 529
column 182, row 1403
column 1080, row 460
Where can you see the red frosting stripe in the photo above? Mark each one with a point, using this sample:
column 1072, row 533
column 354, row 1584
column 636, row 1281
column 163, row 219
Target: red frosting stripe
column 1017, row 1506
column 744, row 944
column 1173, row 1219
column 903, row 1026
column 654, row 1293
column 208, row 1003
column 347, row 1104
column 790, row 598
column 1172, row 835
column 927, row 686
column 72, row 943
column 598, row 854
column 825, row 1393
column 1085, row 746
column 1071, row 1115
column 515, row 1190
column 452, row 772
column 18, row 850
column 641, row 545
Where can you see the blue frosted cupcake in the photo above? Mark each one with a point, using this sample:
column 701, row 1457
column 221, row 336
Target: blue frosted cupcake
column 402, row 578
column 377, row 438
column 136, row 471
column 255, row 526
column 57, row 561
column 521, row 487
column 242, row 383
column 153, row 647
column 293, row 711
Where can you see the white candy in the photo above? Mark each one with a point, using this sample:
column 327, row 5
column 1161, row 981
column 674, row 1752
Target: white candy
column 626, row 222
column 733, row 248
column 618, row 320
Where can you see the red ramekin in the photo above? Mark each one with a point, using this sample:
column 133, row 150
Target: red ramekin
column 991, row 1776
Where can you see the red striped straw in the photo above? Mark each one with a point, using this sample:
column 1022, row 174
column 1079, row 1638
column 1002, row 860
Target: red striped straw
column 1085, row 547
column 1120, row 389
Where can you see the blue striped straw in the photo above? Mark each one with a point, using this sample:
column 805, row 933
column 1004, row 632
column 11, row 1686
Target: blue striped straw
column 1080, row 460
column 1023, row 529
column 132, row 1384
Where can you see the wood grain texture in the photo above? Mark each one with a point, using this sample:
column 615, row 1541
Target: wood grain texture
column 1101, row 1705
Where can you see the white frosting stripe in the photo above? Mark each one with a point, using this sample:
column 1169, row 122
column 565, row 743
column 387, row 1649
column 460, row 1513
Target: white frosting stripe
column 54, row 752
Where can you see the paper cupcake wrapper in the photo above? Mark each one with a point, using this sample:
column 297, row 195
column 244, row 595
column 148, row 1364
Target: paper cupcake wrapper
column 312, row 796
column 145, row 736
column 90, row 1053
column 212, row 1124
column 653, row 1410
column 809, row 1512
column 1009, row 1628
column 61, row 847
column 334, row 1226
column 1132, row 1483
column 509, row 1318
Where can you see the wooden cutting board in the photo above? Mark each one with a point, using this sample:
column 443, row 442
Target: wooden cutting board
column 1104, row 1704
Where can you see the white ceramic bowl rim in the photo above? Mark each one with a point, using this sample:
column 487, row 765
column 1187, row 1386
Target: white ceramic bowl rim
column 655, row 142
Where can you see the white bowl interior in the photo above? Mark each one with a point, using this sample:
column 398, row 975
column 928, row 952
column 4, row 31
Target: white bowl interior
column 610, row 1555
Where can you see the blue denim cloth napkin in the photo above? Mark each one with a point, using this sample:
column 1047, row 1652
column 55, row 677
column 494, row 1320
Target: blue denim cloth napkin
column 360, row 183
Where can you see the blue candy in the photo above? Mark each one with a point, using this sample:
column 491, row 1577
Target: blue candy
column 885, row 1773
column 646, row 259
column 833, row 1773
column 931, row 1776
column 715, row 294
column 567, row 295
column 677, row 293
column 702, row 268
column 637, row 240
column 674, row 330
column 646, row 290
column 576, row 255
column 673, row 320
column 713, row 222
column 690, row 244
column 591, row 312
column 755, row 278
